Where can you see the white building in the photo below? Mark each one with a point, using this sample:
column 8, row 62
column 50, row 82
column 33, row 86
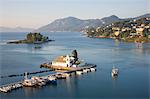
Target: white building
column 65, row 61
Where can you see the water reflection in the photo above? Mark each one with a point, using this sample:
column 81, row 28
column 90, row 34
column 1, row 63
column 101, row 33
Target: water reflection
column 68, row 83
column 102, row 52
column 117, row 42
column 29, row 91
column 140, row 48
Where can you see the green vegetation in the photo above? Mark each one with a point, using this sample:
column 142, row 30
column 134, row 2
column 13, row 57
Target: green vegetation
column 36, row 37
column 130, row 30
column 33, row 38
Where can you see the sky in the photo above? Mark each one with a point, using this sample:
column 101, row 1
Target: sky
column 36, row 13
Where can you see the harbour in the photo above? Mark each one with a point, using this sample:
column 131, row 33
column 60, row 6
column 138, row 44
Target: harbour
column 132, row 62
column 60, row 75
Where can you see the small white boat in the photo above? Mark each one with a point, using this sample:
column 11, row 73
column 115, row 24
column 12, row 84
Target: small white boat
column 79, row 72
column 18, row 85
column 8, row 88
column 66, row 74
column 92, row 69
column 29, row 83
column 114, row 71
column 52, row 79
column 40, row 81
column 85, row 71
column 3, row 89
column 60, row 76
column 88, row 70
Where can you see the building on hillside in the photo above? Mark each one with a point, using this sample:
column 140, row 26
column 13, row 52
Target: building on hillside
column 134, row 27
column 125, row 29
column 116, row 33
column 147, row 26
column 133, row 34
column 140, row 31
column 115, row 28
column 97, row 29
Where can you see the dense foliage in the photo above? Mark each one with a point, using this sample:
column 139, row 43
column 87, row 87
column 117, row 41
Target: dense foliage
column 36, row 37
column 33, row 38
column 122, row 30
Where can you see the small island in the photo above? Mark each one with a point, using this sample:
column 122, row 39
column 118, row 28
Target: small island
column 32, row 38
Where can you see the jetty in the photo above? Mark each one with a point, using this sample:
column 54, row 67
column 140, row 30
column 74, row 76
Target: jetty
column 59, row 75
column 29, row 73
column 50, row 66
column 64, row 65
column 8, row 87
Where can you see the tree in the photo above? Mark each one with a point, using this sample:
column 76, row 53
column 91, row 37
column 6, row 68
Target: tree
column 29, row 36
column 75, row 54
column 91, row 31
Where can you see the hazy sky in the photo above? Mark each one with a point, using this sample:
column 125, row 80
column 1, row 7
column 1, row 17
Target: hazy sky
column 35, row 13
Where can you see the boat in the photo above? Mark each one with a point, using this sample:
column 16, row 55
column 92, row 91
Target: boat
column 4, row 89
column 85, row 70
column 114, row 71
column 51, row 80
column 29, row 82
column 92, row 69
column 79, row 72
column 88, row 70
column 66, row 74
column 40, row 81
column 60, row 76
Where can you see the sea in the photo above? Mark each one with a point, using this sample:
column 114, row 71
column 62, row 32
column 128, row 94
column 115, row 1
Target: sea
column 132, row 60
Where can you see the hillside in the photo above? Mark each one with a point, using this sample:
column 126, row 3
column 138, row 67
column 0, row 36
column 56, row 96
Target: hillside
column 131, row 30
column 75, row 24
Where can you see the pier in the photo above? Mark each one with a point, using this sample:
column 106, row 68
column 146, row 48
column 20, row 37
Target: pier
column 48, row 65
column 29, row 73
column 8, row 87
column 60, row 75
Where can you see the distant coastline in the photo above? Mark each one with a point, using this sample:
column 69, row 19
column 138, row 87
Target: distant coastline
column 131, row 30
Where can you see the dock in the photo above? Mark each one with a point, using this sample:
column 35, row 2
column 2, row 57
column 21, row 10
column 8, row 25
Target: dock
column 48, row 65
column 8, row 87
column 61, row 75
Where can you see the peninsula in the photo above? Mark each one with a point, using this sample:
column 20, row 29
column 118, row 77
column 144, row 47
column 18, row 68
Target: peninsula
column 32, row 38
column 130, row 30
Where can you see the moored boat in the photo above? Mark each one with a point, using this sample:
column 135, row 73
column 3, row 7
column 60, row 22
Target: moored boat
column 114, row 71
column 29, row 82
column 92, row 69
column 60, row 76
column 79, row 72
column 51, row 80
column 85, row 71
column 40, row 81
column 4, row 89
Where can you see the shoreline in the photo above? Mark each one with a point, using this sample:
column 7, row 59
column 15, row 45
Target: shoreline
column 129, row 40
column 26, row 42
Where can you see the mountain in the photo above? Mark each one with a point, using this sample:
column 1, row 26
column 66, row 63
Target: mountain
column 111, row 19
column 131, row 30
column 17, row 29
column 143, row 16
column 72, row 24
column 75, row 24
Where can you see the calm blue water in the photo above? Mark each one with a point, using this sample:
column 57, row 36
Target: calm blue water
column 133, row 64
